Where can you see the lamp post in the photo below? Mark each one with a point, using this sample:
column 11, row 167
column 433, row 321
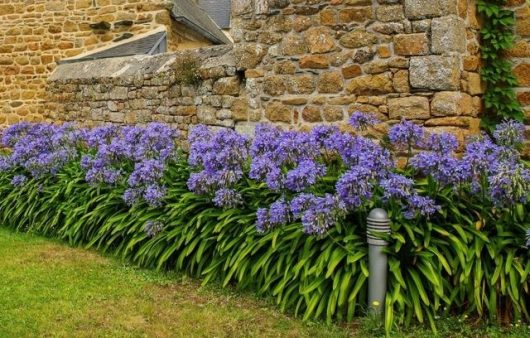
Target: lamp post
column 377, row 223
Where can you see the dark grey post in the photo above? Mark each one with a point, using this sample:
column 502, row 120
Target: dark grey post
column 378, row 222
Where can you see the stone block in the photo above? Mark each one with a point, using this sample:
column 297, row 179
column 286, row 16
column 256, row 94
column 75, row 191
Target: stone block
column 371, row 84
column 474, row 84
column 333, row 113
column 274, row 85
column 330, row 82
column 320, row 39
column 246, row 128
column 522, row 73
column 278, row 112
column 524, row 98
column 7, row 9
column 435, row 72
column 351, row 71
column 390, row 13
column 401, row 81
column 414, row 107
column 452, row 104
column 411, row 44
column 311, row 114
column 358, row 38
column 448, row 34
column 421, row 9
column 301, row 84
column 294, row 44
column 227, row 86
column 356, row 14
column 314, row 62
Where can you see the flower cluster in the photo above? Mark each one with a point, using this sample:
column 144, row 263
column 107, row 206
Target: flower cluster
column 108, row 155
column 39, row 149
column 406, row 135
column 317, row 213
column 294, row 163
column 488, row 166
column 219, row 158
column 320, row 176
column 138, row 155
column 285, row 159
column 362, row 121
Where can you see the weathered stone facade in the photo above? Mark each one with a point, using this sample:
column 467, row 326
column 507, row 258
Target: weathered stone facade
column 35, row 34
column 322, row 60
column 303, row 62
column 141, row 89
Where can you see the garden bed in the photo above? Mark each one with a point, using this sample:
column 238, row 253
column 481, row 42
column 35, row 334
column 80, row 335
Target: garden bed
column 284, row 214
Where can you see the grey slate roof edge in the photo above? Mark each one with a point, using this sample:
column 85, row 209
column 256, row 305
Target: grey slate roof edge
column 194, row 17
column 141, row 46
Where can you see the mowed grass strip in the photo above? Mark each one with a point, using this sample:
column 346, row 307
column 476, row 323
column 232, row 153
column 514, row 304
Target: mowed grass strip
column 48, row 289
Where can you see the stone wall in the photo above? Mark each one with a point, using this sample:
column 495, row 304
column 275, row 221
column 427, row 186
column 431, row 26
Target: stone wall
column 143, row 89
column 314, row 61
column 298, row 63
column 35, row 34
column 520, row 53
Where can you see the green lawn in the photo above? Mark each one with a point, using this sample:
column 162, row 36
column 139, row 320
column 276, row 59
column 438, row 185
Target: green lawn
column 49, row 289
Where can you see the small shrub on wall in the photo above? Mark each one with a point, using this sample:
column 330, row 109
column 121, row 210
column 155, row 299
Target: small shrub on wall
column 284, row 213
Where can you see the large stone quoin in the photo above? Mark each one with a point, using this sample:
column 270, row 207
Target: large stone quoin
column 295, row 63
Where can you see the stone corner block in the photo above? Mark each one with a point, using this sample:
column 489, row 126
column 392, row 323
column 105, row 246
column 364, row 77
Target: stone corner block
column 448, row 34
column 435, row 72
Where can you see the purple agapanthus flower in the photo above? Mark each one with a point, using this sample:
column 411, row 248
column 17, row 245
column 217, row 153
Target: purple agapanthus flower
column 361, row 121
column 509, row 184
column 276, row 215
column 304, row 175
column 228, row 198
column 420, row 205
column 406, row 134
column 396, row 186
column 355, row 186
column 19, row 180
column 442, row 143
column 510, row 134
column 218, row 158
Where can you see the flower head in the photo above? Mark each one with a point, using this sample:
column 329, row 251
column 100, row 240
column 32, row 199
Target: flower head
column 355, row 186
column 361, row 121
column 510, row 133
column 406, row 135
column 19, row 180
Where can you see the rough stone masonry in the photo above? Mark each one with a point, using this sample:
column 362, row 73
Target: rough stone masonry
column 35, row 34
column 298, row 63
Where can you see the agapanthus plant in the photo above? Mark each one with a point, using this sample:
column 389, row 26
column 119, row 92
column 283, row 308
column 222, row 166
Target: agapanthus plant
column 39, row 150
column 218, row 159
column 135, row 155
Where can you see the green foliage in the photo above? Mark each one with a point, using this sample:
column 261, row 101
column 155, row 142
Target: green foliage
column 497, row 36
column 187, row 70
column 469, row 259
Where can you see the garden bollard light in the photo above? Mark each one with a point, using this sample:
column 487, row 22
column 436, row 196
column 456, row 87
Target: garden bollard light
column 377, row 222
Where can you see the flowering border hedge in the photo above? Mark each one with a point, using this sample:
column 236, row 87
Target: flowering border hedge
column 284, row 214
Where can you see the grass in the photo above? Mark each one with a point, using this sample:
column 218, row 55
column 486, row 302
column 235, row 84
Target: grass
column 48, row 289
